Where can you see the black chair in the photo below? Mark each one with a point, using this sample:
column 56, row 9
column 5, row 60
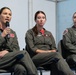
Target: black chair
column 6, row 71
column 62, row 50
column 64, row 53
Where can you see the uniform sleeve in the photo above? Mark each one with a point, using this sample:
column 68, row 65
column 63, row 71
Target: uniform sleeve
column 2, row 40
column 14, row 46
column 30, row 41
column 67, row 42
column 53, row 42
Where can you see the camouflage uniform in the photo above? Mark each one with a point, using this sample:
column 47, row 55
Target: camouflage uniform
column 19, row 61
column 52, row 60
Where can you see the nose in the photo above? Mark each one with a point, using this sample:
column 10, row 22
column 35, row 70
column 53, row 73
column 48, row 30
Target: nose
column 41, row 20
column 7, row 16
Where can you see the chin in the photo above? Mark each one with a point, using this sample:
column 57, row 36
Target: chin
column 41, row 24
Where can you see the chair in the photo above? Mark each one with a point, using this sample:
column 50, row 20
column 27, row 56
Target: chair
column 62, row 50
column 64, row 53
column 6, row 71
column 41, row 69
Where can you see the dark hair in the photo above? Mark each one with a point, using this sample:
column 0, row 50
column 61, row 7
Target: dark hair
column 74, row 14
column 35, row 27
column 38, row 13
column 1, row 10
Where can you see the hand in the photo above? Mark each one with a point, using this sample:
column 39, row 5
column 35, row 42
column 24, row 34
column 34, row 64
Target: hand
column 51, row 50
column 2, row 53
column 5, row 32
column 44, row 51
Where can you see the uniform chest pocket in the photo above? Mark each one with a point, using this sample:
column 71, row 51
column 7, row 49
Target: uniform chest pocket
column 73, row 37
column 38, row 40
column 42, row 40
column 48, row 40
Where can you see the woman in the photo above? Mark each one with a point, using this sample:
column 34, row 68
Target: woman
column 41, row 46
column 10, row 56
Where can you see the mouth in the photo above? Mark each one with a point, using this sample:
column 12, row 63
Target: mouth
column 41, row 23
column 7, row 20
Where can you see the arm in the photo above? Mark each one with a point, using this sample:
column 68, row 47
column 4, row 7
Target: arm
column 30, row 42
column 53, row 42
column 67, row 41
column 10, row 43
column 53, row 46
column 8, row 46
column 13, row 44
column 2, row 40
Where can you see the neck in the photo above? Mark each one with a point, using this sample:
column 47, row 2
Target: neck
column 39, row 27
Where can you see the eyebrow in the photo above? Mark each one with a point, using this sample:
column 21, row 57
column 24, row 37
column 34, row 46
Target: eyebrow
column 74, row 16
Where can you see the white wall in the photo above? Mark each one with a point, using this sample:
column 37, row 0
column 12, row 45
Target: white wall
column 49, row 8
column 21, row 21
column 20, row 18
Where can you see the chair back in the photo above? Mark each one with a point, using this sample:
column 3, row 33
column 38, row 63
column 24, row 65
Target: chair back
column 62, row 50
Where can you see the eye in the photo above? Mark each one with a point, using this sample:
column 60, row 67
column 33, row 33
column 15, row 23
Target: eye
column 7, row 14
column 43, row 17
column 38, row 17
column 74, row 17
column 10, row 14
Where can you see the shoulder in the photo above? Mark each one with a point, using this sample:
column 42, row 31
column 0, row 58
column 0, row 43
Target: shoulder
column 12, row 31
column 67, row 30
column 29, row 31
column 48, row 31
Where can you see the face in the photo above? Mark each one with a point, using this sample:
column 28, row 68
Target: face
column 74, row 18
column 41, row 19
column 5, row 15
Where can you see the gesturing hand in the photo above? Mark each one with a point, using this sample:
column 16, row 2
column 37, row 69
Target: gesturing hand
column 5, row 32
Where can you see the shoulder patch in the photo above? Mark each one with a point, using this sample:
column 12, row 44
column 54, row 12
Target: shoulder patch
column 66, row 31
column 12, row 35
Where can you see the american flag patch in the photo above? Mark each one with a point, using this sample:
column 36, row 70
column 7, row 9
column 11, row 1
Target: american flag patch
column 12, row 35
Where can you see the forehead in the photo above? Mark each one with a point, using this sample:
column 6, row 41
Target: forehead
column 6, row 10
column 40, row 14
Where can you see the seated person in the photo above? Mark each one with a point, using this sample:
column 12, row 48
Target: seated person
column 69, row 42
column 41, row 46
column 11, row 58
